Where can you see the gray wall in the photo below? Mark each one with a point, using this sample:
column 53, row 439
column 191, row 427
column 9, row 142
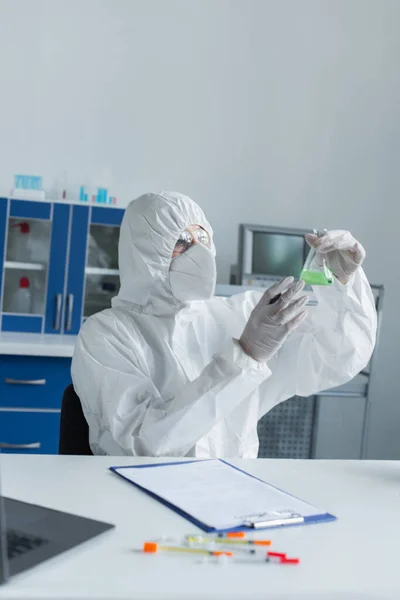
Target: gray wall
column 283, row 112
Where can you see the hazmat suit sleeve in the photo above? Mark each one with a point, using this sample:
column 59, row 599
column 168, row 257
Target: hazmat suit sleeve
column 125, row 411
column 331, row 346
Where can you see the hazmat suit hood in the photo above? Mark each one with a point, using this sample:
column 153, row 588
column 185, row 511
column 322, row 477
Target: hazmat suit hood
column 149, row 231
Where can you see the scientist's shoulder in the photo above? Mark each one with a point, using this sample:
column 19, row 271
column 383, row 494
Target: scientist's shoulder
column 104, row 322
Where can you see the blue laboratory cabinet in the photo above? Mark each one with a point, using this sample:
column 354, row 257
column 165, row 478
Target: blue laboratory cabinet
column 66, row 255
column 58, row 266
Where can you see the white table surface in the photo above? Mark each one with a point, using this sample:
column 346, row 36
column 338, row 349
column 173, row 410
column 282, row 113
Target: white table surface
column 36, row 344
column 354, row 557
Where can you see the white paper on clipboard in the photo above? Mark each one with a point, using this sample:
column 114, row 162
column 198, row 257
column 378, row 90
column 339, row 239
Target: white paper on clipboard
column 217, row 494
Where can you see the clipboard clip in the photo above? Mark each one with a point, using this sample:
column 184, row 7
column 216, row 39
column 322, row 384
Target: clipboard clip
column 273, row 518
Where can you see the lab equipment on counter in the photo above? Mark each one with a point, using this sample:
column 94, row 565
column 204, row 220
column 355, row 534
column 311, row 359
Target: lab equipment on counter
column 101, row 196
column 83, row 194
column 227, row 539
column 315, row 270
column 206, row 546
column 28, row 187
column 153, row 548
column 22, row 297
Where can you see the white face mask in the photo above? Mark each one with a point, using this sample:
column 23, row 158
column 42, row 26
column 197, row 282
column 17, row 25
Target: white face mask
column 193, row 274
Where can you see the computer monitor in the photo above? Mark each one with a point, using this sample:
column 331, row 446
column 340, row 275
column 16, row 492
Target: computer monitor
column 270, row 252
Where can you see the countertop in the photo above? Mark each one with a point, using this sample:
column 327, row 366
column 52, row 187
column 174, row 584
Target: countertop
column 353, row 557
column 35, row 344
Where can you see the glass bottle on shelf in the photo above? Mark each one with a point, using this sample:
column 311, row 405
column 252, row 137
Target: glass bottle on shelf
column 19, row 246
column 22, row 297
column 27, row 258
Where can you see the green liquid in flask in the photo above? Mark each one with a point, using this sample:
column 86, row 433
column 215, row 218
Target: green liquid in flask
column 316, row 277
column 316, row 272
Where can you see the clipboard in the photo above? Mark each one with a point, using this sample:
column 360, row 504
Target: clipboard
column 284, row 509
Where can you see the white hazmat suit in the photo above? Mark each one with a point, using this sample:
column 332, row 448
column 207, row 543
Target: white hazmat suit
column 158, row 376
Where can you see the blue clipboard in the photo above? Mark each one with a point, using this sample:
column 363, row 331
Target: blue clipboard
column 278, row 521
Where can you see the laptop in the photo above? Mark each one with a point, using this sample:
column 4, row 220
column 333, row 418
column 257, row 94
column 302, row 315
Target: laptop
column 30, row 534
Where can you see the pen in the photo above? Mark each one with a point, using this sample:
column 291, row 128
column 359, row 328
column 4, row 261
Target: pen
column 153, row 547
column 275, row 299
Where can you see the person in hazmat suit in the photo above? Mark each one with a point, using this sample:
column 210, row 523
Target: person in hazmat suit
column 172, row 370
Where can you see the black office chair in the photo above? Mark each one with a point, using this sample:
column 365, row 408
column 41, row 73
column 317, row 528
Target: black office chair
column 74, row 430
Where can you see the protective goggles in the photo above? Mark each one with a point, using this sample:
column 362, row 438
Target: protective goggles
column 187, row 238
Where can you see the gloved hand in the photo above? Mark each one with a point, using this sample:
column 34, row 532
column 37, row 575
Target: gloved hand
column 343, row 254
column 270, row 324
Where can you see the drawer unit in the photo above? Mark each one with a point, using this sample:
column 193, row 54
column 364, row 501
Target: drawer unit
column 29, row 432
column 31, row 390
column 33, row 381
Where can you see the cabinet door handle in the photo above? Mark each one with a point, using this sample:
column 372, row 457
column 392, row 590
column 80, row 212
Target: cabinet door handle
column 70, row 308
column 10, row 381
column 31, row 446
column 58, row 312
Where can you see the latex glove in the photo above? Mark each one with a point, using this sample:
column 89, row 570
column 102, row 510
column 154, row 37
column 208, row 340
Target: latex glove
column 270, row 324
column 343, row 254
